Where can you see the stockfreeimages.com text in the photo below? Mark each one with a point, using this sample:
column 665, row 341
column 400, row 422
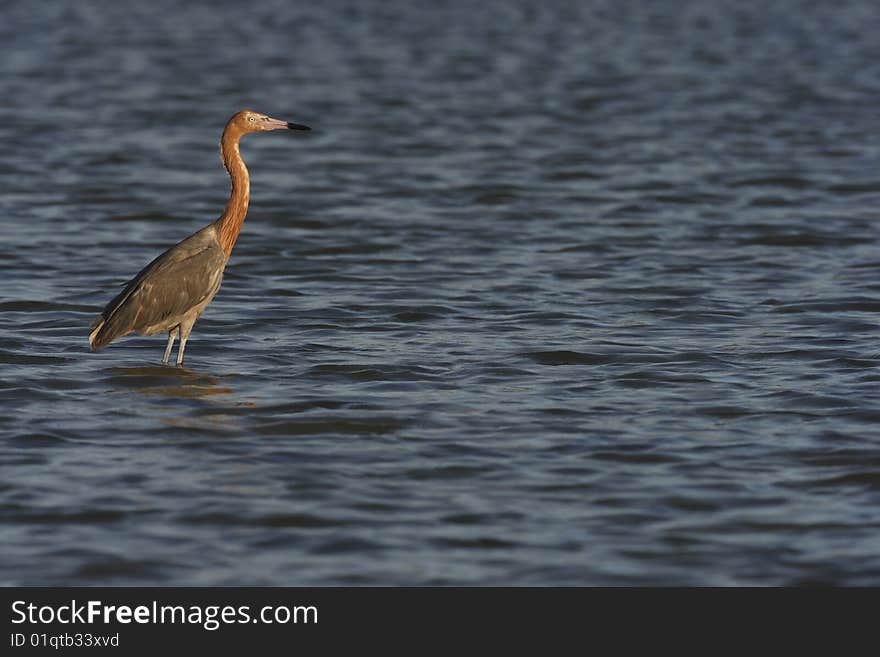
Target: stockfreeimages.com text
column 211, row 617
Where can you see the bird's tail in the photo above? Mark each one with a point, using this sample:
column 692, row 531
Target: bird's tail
column 115, row 320
column 94, row 341
column 106, row 329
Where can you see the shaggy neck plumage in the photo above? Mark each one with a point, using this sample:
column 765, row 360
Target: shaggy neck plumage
column 229, row 223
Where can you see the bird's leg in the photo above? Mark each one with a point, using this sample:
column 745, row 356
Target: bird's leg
column 184, row 328
column 171, row 335
column 180, row 350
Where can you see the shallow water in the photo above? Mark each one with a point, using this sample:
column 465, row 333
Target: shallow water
column 555, row 293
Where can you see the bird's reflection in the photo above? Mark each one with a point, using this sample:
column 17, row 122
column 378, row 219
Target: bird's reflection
column 168, row 381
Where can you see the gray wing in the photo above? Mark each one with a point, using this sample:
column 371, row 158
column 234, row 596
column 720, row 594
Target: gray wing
column 185, row 276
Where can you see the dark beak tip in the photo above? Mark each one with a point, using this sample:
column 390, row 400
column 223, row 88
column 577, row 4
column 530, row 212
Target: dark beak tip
column 297, row 126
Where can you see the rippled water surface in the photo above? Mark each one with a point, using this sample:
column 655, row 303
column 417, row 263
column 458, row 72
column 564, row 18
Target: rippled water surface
column 555, row 293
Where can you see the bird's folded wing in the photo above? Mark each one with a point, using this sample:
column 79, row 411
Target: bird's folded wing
column 171, row 285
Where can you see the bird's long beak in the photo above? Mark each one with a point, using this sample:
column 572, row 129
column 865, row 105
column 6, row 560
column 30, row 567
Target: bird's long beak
column 277, row 124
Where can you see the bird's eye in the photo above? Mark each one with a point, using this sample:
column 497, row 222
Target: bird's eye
column 251, row 119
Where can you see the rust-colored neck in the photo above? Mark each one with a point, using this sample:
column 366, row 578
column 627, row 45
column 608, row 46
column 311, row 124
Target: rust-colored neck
column 229, row 223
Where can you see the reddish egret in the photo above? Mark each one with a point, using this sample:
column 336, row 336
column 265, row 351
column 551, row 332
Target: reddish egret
column 171, row 292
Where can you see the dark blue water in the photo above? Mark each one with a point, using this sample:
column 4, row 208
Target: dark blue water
column 555, row 293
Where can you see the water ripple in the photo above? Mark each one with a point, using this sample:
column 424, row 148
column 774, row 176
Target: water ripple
column 553, row 294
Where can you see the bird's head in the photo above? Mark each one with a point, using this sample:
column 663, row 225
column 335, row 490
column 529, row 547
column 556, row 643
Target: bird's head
column 250, row 121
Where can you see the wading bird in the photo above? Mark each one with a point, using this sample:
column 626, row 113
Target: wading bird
column 171, row 292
